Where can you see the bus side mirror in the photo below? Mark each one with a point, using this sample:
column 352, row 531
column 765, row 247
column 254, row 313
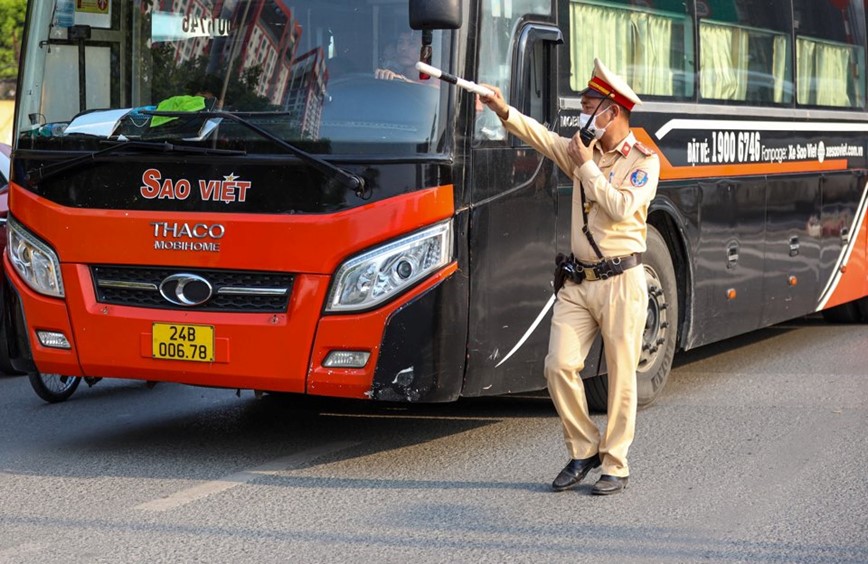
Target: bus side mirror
column 435, row 14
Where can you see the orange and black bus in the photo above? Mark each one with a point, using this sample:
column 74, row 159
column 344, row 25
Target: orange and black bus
column 261, row 194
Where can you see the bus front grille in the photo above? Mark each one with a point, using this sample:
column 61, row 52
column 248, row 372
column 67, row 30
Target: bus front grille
column 200, row 289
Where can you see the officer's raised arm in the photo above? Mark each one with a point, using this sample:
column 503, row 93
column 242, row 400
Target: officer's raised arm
column 530, row 131
column 495, row 103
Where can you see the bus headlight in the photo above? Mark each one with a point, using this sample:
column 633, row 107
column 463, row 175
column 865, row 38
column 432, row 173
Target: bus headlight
column 377, row 275
column 35, row 262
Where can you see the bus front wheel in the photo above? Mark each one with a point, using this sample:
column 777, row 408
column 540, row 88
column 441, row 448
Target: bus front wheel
column 54, row 388
column 661, row 329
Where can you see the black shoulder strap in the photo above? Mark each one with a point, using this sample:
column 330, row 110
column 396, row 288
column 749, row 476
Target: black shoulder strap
column 585, row 228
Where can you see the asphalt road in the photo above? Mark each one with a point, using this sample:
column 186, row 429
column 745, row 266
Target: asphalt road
column 756, row 452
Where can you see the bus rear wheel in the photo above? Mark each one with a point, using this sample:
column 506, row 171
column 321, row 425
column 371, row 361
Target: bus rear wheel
column 850, row 312
column 862, row 304
column 661, row 329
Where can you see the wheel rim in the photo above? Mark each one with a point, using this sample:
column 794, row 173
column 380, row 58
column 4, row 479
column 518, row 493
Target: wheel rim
column 58, row 383
column 657, row 322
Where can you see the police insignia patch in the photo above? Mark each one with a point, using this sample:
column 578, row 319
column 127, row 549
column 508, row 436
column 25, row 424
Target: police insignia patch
column 639, row 178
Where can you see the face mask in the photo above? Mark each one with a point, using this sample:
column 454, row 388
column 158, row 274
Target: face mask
column 591, row 127
column 599, row 131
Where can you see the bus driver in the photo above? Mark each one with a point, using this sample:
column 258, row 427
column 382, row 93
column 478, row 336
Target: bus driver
column 399, row 60
column 614, row 180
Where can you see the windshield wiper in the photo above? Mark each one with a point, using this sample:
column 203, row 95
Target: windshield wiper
column 48, row 170
column 346, row 178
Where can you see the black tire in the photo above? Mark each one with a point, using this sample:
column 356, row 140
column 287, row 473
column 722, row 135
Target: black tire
column 597, row 393
column 5, row 321
column 661, row 330
column 5, row 364
column 846, row 313
column 54, row 388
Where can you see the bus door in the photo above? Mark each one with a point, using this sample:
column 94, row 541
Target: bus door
column 513, row 226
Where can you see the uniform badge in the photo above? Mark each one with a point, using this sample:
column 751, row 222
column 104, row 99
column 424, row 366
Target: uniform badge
column 643, row 149
column 639, row 178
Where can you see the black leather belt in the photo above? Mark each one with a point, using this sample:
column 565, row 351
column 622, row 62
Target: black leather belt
column 604, row 269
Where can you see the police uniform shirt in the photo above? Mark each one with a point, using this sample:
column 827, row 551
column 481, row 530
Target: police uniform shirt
column 619, row 186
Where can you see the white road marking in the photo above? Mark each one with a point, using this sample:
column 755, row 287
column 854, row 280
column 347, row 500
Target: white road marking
column 230, row 481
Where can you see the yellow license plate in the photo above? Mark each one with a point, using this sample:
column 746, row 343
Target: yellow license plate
column 183, row 342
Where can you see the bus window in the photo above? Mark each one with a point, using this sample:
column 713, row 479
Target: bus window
column 651, row 48
column 745, row 55
column 830, row 53
column 313, row 73
column 496, row 43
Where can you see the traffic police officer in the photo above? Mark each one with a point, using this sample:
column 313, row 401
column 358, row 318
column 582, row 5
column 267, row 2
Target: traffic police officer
column 614, row 180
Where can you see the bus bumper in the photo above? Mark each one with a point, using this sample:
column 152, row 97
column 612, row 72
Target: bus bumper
column 416, row 345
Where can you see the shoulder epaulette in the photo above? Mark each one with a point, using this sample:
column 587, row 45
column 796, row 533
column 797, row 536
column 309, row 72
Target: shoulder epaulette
column 643, row 149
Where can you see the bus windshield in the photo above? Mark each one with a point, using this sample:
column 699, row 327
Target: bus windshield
column 329, row 76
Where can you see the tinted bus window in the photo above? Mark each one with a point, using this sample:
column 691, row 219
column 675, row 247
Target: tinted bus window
column 331, row 76
column 746, row 55
column 652, row 48
column 830, row 52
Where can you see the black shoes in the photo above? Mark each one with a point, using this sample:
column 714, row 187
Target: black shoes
column 608, row 485
column 575, row 472
column 577, row 469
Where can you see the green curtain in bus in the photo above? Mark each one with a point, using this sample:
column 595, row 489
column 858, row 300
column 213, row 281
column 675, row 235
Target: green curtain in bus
column 723, row 61
column 823, row 71
column 635, row 45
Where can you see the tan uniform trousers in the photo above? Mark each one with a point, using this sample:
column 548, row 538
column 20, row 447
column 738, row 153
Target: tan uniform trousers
column 617, row 308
